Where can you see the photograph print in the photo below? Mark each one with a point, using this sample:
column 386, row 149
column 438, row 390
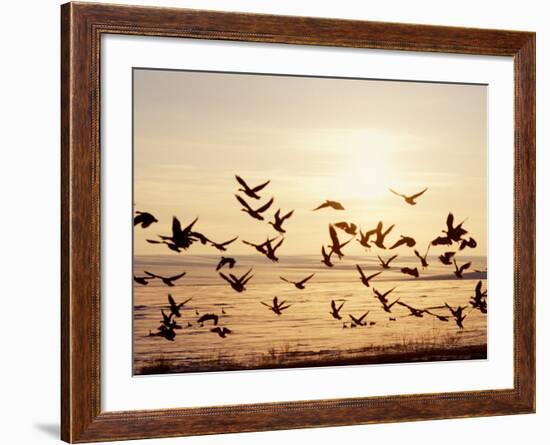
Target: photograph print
column 295, row 221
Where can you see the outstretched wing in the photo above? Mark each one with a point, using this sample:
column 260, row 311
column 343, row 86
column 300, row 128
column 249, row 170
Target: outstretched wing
column 228, row 242
column 260, row 187
column 374, row 275
column 265, row 206
column 244, row 203
column 225, row 277
column 465, row 266
column 396, row 193
column 391, row 259
column 306, row 279
column 360, row 271
column 242, row 182
column 176, row 277
column 171, row 300
column 152, row 275
column 419, row 193
column 333, row 236
column 284, row 279
column 322, row 206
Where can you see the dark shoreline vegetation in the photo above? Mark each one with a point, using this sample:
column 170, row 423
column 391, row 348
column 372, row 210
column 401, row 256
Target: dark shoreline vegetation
column 284, row 358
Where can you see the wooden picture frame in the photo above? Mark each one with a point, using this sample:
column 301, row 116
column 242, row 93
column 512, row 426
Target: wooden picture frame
column 82, row 26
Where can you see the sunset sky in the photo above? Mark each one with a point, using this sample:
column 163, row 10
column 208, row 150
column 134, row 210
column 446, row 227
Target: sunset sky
column 315, row 139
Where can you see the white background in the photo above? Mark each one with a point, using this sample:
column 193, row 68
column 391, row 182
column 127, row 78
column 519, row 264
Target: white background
column 29, row 176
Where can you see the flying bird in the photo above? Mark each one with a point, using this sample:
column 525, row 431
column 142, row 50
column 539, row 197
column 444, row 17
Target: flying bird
column 409, row 271
column 364, row 279
column 226, row 260
column 446, row 258
column 471, row 243
column 167, row 333
column 335, row 310
column 459, row 270
column 407, row 240
column 251, row 192
column 145, row 219
column 386, row 264
column 423, row 258
column 382, row 297
column 326, row 257
column 222, row 246
column 458, row 314
column 279, row 220
column 359, row 321
column 349, row 228
column 175, row 307
column 299, row 284
column 181, row 238
column 332, row 204
column 277, row 307
column 208, row 317
column 222, row 332
column 364, row 238
column 256, row 214
column 336, row 246
column 414, row 312
column 380, row 235
column 237, row 284
column 170, row 245
column 169, row 281
column 144, row 281
column 262, row 247
column 387, row 307
column 271, row 249
column 409, row 199
column 479, row 300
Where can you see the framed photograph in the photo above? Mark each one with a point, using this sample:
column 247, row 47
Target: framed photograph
column 274, row 222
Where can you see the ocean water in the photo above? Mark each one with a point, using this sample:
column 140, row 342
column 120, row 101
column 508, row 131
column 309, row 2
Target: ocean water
column 305, row 334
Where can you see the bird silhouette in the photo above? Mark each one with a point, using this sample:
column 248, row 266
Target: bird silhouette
column 326, row 257
column 458, row 314
column 382, row 297
column 226, row 260
column 277, row 307
column 423, row 258
column 208, row 317
column 479, row 300
column 251, row 192
column 170, row 245
column 409, row 199
column 364, row 279
column 380, row 235
column 453, row 233
column 145, row 219
column 181, row 238
column 407, row 240
column 256, row 214
column 442, row 241
column 271, row 249
column 237, row 284
column 279, row 220
column 414, row 312
column 299, row 284
column 335, row 310
column 330, row 204
column 387, row 306
column 386, row 264
column 459, row 270
column 364, row 238
column 169, row 281
column 349, row 228
column 359, row 321
column 222, row 332
column 471, row 243
column 222, row 246
column 167, row 333
column 446, row 258
column 262, row 247
column 409, row 271
column 144, row 281
column 336, row 246
column 167, row 321
column 175, row 307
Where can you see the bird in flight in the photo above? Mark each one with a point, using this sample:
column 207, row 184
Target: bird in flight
column 144, row 281
column 471, row 243
column 479, row 300
column 423, row 258
column 386, row 264
column 170, row 245
column 330, row 204
column 335, row 310
column 458, row 314
column 359, row 321
column 181, row 238
column 349, row 228
column 364, row 279
column 279, row 220
column 407, row 240
column 251, row 192
column 175, row 307
column 409, row 199
column 208, row 317
column 459, row 270
column 382, row 297
column 168, row 322
column 222, row 246
column 336, row 246
column 380, row 235
column 387, row 306
column 262, row 247
column 270, row 250
column 299, row 284
column 446, row 258
column 277, row 307
column 364, row 238
column 326, row 257
column 256, row 214
column 238, row 284
column 222, row 332
column 163, row 331
column 144, row 219
column 414, row 312
column 169, row 281
column 226, row 260
column 409, row 271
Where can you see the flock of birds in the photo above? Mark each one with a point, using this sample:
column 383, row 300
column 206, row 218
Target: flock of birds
column 181, row 239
